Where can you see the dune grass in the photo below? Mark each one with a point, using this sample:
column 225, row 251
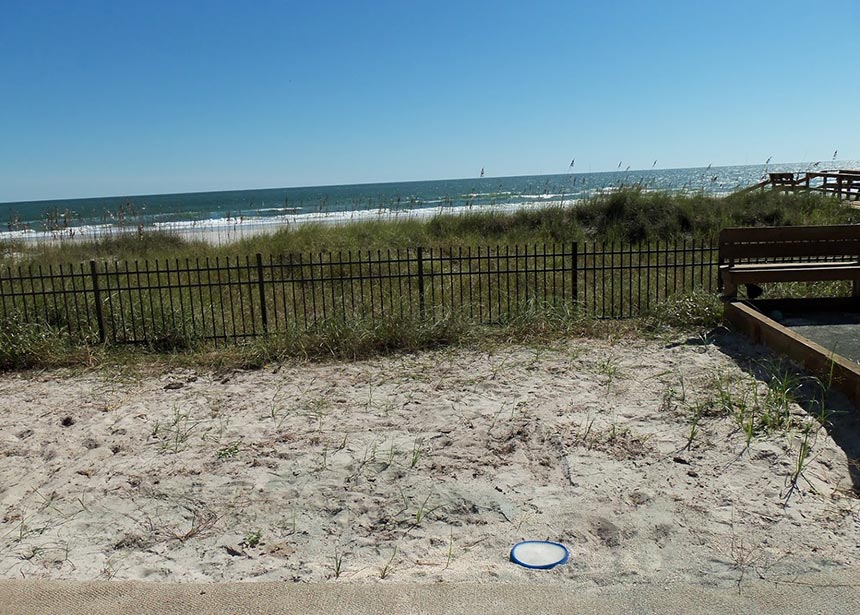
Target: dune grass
column 630, row 216
column 37, row 345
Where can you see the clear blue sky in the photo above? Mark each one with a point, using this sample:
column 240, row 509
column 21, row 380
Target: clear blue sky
column 136, row 97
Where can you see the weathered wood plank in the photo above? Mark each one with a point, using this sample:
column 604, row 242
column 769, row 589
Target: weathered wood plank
column 795, row 249
column 814, row 244
column 760, row 234
column 811, row 274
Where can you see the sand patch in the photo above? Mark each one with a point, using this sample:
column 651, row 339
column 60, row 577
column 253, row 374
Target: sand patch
column 425, row 467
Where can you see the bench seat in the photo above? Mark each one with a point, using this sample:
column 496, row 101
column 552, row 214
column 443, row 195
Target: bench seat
column 828, row 253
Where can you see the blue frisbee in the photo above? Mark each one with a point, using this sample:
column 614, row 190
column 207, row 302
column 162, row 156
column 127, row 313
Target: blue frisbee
column 539, row 554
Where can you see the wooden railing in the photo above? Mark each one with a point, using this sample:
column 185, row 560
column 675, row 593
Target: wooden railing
column 844, row 183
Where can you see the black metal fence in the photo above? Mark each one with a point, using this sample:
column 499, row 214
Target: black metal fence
column 234, row 298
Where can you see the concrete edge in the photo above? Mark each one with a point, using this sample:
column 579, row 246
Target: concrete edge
column 833, row 594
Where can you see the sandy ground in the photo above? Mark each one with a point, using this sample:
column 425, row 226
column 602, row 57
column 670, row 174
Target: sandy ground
column 425, row 467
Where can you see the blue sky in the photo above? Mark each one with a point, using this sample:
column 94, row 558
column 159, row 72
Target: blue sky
column 121, row 97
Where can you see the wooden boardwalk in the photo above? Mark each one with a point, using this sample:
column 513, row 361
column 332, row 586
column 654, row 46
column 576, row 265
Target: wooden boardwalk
column 844, row 183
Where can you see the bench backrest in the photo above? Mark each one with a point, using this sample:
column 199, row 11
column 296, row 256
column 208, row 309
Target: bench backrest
column 782, row 179
column 789, row 242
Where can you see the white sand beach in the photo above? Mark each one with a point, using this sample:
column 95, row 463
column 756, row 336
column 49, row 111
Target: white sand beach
column 423, row 468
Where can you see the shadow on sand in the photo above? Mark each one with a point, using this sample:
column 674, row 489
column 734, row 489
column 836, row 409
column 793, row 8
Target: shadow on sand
column 832, row 409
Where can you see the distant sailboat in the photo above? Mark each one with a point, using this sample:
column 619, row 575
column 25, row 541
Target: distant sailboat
column 482, row 171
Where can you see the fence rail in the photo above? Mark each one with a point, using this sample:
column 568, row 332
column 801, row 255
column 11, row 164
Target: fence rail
column 234, row 298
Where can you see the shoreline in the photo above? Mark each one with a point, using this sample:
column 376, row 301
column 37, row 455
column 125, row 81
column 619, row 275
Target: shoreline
column 227, row 231
column 224, row 232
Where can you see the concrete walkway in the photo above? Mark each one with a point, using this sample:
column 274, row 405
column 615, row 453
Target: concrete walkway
column 833, row 594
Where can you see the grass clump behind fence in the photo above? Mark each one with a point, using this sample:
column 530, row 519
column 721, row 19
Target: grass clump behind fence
column 695, row 309
column 638, row 216
column 26, row 344
column 629, row 216
column 352, row 339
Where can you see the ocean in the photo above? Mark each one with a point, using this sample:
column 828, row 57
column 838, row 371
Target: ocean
column 226, row 216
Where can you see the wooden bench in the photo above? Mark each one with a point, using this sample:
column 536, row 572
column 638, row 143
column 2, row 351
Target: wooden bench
column 788, row 254
column 787, row 181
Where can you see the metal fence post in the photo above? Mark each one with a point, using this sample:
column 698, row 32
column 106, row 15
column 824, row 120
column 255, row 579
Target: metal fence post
column 264, row 317
column 421, row 281
column 98, row 300
column 575, row 271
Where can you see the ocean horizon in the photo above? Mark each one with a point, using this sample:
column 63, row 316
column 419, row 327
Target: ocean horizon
column 233, row 213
